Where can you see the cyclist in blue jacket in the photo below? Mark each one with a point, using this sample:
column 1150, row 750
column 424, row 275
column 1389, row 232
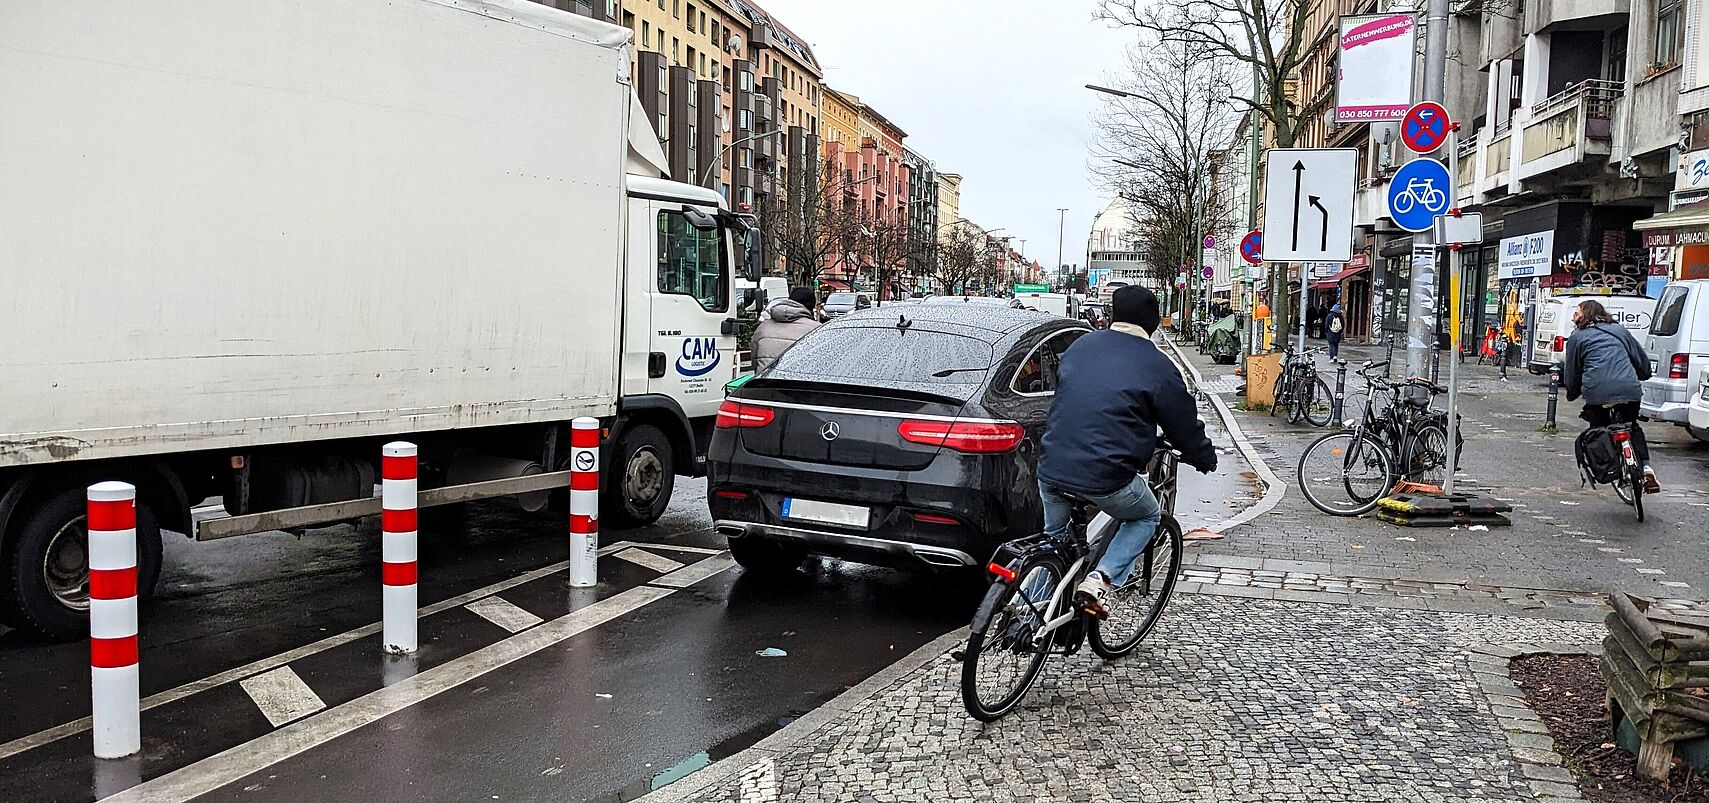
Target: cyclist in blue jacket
column 1115, row 391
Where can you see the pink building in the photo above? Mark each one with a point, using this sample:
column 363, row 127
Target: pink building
column 874, row 186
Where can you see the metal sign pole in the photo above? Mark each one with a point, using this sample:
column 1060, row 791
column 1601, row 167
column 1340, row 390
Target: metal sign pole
column 1453, row 320
column 1305, row 290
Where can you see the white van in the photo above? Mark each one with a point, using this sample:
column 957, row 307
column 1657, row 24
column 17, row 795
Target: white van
column 1053, row 303
column 1554, row 323
column 1678, row 345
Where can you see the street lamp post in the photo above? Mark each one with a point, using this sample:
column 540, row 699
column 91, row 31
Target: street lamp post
column 1061, row 225
column 719, row 159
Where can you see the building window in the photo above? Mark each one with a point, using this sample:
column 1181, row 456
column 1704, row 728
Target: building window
column 676, row 9
column 744, row 119
column 676, row 52
column 1670, row 31
column 746, row 159
column 646, row 33
column 661, row 47
column 691, row 28
column 1617, row 54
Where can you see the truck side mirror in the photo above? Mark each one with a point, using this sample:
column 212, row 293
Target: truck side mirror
column 752, row 256
column 699, row 219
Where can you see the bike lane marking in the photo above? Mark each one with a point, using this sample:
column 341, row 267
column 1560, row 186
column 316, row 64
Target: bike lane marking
column 216, row 771
column 649, row 560
column 76, row 726
column 503, row 613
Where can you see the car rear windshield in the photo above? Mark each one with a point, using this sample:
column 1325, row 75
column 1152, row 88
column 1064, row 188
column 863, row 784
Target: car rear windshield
column 884, row 356
column 1669, row 309
column 840, row 298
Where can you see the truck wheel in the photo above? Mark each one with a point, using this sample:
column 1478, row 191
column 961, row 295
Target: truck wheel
column 642, row 474
column 46, row 567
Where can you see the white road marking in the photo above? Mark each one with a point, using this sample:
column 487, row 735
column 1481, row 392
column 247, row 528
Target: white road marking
column 281, row 695
column 1651, row 571
column 503, row 613
column 685, row 577
column 697, row 550
column 643, row 558
column 1675, row 584
column 233, row 764
column 77, row 726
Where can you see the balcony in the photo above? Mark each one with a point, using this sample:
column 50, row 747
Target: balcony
column 1568, row 128
column 1466, row 177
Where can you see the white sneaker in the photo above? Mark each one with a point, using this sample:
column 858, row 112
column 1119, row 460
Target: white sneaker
column 1089, row 595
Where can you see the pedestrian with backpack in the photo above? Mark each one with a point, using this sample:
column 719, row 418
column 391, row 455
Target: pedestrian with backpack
column 1333, row 323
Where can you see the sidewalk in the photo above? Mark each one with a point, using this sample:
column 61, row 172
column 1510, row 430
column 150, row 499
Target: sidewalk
column 1229, row 700
column 1565, row 538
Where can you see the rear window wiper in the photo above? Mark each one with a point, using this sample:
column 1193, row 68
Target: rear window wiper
column 947, row 371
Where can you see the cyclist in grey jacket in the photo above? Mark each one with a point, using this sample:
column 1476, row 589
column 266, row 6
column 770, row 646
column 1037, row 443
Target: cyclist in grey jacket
column 1605, row 365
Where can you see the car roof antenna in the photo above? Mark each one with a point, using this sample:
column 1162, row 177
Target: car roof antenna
column 902, row 323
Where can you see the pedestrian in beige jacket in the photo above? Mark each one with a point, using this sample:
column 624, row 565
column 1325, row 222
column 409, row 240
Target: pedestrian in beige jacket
column 789, row 321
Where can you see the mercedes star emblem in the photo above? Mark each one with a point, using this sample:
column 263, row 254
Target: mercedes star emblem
column 830, row 431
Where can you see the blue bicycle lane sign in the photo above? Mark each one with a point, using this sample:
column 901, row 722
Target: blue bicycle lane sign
column 1418, row 193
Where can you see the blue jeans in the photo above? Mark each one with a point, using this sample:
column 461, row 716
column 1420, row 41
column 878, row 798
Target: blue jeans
column 1134, row 506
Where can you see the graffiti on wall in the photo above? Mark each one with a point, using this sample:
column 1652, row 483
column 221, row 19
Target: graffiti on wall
column 1620, row 270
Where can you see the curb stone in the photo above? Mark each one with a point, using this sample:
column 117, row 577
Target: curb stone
column 1542, row 767
column 1274, row 488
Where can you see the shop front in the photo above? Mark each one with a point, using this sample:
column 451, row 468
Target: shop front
column 1678, row 245
column 1351, row 288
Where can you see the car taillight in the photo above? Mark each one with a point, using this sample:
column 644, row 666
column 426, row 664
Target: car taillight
column 933, row 518
column 731, row 493
column 1003, row 572
column 976, row 437
column 1560, row 344
column 735, row 415
column 1677, row 365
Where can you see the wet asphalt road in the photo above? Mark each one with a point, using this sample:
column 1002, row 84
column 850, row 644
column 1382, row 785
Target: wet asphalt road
column 606, row 714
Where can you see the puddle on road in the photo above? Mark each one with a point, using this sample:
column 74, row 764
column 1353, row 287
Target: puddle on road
column 699, row 761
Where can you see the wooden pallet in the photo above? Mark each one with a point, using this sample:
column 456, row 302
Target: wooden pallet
column 1657, row 668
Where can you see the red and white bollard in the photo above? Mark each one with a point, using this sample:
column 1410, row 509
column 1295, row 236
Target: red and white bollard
column 397, row 546
column 113, row 682
column 584, row 502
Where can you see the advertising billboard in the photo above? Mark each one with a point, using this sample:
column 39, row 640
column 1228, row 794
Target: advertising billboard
column 1375, row 51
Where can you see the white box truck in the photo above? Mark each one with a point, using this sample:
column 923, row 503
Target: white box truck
column 245, row 244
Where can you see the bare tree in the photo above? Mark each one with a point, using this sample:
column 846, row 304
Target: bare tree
column 1271, row 37
column 964, row 254
column 1155, row 150
column 812, row 236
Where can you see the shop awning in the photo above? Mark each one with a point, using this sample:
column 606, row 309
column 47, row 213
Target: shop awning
column 1693, row 216
column 1335, row 280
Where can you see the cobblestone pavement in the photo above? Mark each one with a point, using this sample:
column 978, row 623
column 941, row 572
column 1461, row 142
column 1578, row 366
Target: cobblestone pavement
column 1229, row 700
column 1563, row 538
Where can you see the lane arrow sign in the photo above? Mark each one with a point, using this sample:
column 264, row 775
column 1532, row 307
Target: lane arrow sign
column 1299, row 178
column 1317, row 203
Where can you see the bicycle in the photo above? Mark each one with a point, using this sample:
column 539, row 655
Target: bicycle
column 1628, row 481
column 1421, row 191
column 1407, row 440
column 1029, row 612
column 1302, row 391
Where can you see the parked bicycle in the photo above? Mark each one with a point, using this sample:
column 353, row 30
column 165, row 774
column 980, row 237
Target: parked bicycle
column 1029, row 612
column 1605, row 455
column 1398, row 436
column 1299, row 389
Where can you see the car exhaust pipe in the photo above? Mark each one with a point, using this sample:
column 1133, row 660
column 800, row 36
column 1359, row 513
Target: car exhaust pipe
column 945, row 559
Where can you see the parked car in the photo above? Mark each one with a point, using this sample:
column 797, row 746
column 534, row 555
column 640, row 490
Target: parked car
column 905, row 440
column 985, row 300
column 839, row 304
column 1678, row 345
column 1697, row 412
column 1554, row 317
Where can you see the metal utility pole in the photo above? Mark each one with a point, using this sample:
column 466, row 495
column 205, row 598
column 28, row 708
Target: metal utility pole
column 1421, row 329
column 1254, row 334
column 1061, row 226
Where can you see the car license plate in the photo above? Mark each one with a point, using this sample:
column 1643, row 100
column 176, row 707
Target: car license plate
column 1705, row 393
column 826, row 512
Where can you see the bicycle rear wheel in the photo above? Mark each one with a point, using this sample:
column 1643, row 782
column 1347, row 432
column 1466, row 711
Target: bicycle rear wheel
column 1630, row 489
column 1317, row 405
column 1003, row 655
column 1136, row 606
column 1276, row 393
column 1345, row 473
column 1426, row 455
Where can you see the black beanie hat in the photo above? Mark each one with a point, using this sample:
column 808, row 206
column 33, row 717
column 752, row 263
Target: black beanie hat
column 1136, row 305
column 803, row 296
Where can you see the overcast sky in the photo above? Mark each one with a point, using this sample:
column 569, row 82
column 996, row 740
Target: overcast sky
column 990, row 89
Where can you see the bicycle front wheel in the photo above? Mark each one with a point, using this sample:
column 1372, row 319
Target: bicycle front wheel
column 1318, row 404
column 1345, row 473
column 1276, row 393
column 1426, row 460
column 1004, row 652
column 1136, row 606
